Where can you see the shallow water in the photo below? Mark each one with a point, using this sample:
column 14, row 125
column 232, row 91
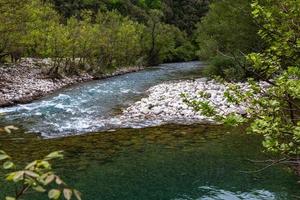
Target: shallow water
column 164, row 163
column 83, row 108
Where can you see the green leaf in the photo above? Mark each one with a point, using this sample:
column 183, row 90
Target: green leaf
column 8, row 165
column 3, row 157
column 58, row 180
column 54, row 194
column 10, row 198
column 10, row 176
column 234, row 120
column 30, row 165
column 43, row 164
column 77, row 194
column 49, row 179
column 67, row 193
column 54, row 155
column 18, row 176
column 31, row 174
column 2, row 152
column 9, row 128
column 39, row 189
column 15, row 176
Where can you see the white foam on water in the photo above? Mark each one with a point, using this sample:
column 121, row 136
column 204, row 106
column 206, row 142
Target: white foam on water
column 88, row 107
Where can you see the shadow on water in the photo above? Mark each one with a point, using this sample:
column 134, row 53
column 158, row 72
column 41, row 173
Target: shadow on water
column 164, row 163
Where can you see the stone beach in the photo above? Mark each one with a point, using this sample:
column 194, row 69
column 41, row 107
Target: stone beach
column 165, row 105
column 26, row 81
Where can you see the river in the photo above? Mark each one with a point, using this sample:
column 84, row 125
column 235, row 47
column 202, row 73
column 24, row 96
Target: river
column 172, row 162
column 88, row 107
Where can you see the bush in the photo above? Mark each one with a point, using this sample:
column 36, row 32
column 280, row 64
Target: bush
column 224, row 67
column 225, row 35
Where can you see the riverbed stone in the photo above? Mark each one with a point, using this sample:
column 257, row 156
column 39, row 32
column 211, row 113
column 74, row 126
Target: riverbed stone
column 164, row 103
column 26, row 81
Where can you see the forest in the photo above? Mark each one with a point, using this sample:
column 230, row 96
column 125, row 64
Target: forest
column 92, row 35
column 150, row 99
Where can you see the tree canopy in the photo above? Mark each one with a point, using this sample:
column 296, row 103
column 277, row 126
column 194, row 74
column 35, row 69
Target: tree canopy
column 95, row 35
column 226, row 35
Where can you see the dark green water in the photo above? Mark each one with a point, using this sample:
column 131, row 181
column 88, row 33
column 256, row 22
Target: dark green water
column 163, row 163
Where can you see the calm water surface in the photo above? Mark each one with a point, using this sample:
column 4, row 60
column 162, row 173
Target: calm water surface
column 164, row 163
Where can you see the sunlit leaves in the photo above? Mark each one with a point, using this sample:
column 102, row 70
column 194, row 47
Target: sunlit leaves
column 67, row 193
column 54, row 194
column 234, row 120
column 204, row 107
column 49, row 179
column 3, row 156
column 9, row 128
column 39, row 189
column 8, row 165
column 54, row 155
column 77, row 194
column 91, row 42
column 39, row 177
column 10, row 198
column 15, row 176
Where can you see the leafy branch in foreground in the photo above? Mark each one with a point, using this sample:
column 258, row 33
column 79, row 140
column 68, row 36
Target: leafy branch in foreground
column 37, row 176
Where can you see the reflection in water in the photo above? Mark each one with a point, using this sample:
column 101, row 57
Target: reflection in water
column 87, row 107
column 168, row 163
column 214, row 193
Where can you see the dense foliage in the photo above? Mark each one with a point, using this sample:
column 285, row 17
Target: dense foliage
column 274, row 111
column 135, row 9
column 183, row 14
column 93, row 36
column 225, row 36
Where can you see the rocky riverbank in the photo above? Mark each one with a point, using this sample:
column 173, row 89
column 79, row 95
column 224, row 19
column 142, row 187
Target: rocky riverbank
column 26, row 81
column 164, row 104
